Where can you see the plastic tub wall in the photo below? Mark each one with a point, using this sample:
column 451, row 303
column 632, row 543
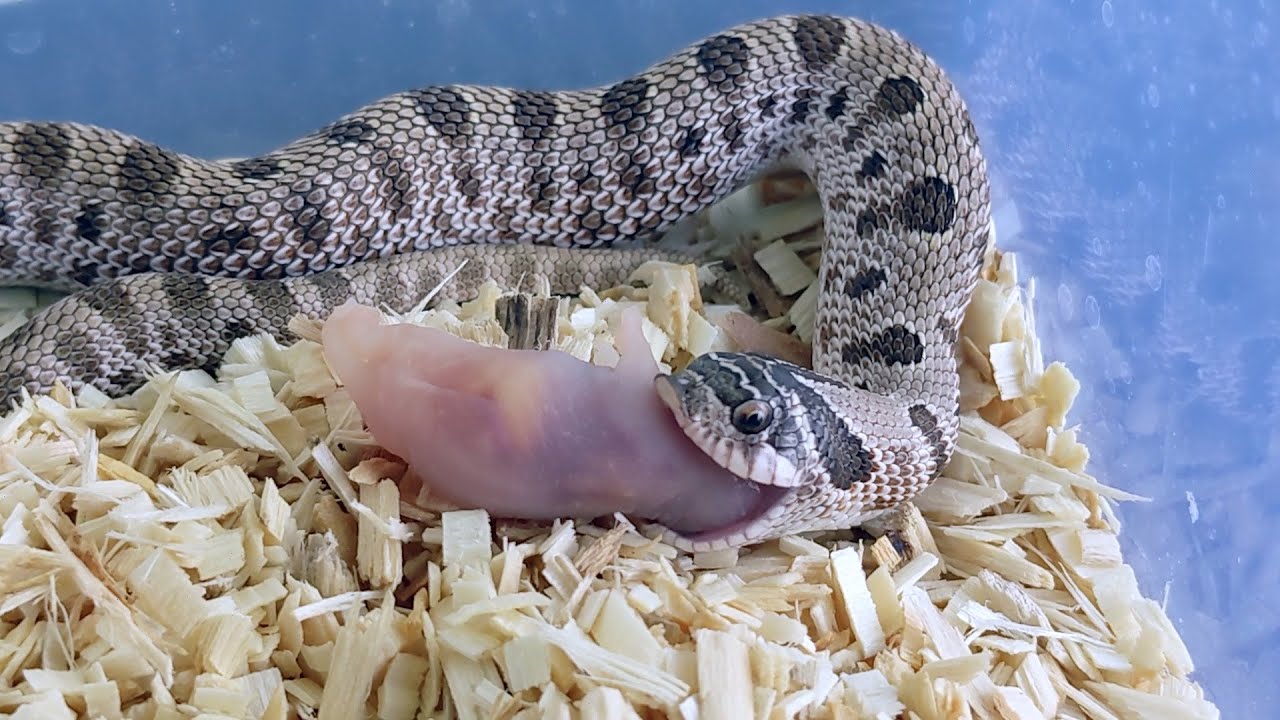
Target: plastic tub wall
column 1134, row 150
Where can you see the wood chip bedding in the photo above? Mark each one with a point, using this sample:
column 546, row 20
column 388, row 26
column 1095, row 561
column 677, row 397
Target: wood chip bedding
column 239, row 548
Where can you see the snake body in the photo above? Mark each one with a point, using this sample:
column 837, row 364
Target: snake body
column 175, row 257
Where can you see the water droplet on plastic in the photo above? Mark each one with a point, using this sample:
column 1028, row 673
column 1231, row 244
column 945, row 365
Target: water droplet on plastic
column 1092, row 314
column 1154, row 274
column 1108, row 13
column 1153, row 95
column 1222, row 202
column 1120, row 371
column 1066, row 302
column 24, row 42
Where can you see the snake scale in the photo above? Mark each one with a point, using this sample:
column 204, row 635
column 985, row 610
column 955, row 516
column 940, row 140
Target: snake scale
column 175, row 257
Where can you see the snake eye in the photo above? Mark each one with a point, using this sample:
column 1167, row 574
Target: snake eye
column 752, row 416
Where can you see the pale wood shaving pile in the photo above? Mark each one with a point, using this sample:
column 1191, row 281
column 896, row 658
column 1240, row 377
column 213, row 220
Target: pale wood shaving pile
column 238, row 549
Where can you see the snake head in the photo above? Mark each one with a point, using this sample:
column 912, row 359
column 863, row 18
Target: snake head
column 732, row 407
column 795, row 435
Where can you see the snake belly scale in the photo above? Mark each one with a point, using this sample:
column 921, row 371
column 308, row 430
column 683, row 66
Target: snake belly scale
column 174, row 257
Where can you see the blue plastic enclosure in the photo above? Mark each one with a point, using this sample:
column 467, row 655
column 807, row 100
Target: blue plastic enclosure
column 1134, row 146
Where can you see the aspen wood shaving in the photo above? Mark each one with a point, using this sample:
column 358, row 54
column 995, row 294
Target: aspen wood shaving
column 235, row 547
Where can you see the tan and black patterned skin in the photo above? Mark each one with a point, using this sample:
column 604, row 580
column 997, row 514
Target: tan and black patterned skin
column 178, row 256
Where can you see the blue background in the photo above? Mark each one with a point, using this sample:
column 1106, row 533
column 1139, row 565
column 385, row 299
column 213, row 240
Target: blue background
column 1133, row 146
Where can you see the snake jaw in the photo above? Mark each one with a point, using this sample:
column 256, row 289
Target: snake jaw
column 759, row 524
column 759, row 464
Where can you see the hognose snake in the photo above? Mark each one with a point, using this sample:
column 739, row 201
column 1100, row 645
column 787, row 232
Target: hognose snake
column 179, row 256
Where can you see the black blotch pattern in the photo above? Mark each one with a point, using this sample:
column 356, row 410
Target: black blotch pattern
column 4, row 216
column 767, row 103
column 352, row 130
column 392, row 289
column 691, row 141
column 104, row 298
column 927, row 423
column 866, row 223
column 836, row 105
column 87, row 222
column 899, row 96
column 149, row 168
column 395, row 189
column 626, row 105
column 873, row 166
column 309, row 219
column 188, row 290
column 333, row 287
column 864, row 282
column 928, row 205
column 44, row 229
column 722, row 60
column 820, row 40
column 85, row 272
column 534, row 112
column 224, row 238
column 72, row 352
column 855, row 134
column 46, row 147
column 802, row 107
column 468, row 185
column 542, row 190
column 445, row 110
column 895, row 345
column 234, row 328
column 733, row 133
column 275, row 306
column 258, row 168
column 209, row 363
column 177, row 354
column 140, row 262
column 180, row 352
column 848, row 460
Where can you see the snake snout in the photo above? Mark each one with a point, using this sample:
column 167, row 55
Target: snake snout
column 717, row 430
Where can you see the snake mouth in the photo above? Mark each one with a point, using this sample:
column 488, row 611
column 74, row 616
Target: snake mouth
column 763, row 473
column 751, row 527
